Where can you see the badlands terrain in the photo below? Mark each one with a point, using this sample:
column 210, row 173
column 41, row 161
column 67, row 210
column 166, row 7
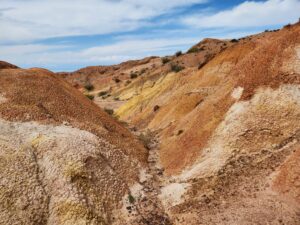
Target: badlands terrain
column 210, row 136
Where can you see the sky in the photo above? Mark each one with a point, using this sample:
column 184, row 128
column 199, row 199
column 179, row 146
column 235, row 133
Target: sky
column 65, row 35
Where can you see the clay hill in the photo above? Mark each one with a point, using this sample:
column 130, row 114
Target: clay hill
column 220, row 124
column 63, row 160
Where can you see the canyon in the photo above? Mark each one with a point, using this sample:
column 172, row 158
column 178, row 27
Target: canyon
column 210, row 136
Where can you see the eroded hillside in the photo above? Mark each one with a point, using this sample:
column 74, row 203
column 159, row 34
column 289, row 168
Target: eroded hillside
column 62, row 159
column 225, row 117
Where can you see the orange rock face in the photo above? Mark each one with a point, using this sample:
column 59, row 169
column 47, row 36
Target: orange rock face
column 287, row 182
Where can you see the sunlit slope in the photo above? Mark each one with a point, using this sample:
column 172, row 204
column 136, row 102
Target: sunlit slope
column 63, row 160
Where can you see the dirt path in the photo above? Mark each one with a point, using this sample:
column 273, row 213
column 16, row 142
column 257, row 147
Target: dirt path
column 149, row 209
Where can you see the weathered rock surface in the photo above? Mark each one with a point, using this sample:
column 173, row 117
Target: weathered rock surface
column 63, row 160
column 227, row 122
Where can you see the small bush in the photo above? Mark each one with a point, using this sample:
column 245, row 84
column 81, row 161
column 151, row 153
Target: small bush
column 117, row 80
column 133, row 76
column 179, row 53
column 156, row 108
column 165, row 60
column 146, row 139
column 89, row 87
column 176, row 68
column 128, row 82
column 193, row 50
column 287, row 26
column 234, row 41
column 102, row 93
column 91, row 97
column 131, row 199
column 109, row 111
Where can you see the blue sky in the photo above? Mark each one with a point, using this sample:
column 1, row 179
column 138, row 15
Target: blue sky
column 65, row 35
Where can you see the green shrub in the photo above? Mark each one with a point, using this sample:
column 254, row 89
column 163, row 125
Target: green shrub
column 117, row 80
column 102, row 93
column 89, row 87
column 109, row 111
column 193, row 50
column 146, row 139
column 165, row 60
column 91, row 97
column 176, row 68
column 234, row 41
column 179, row 53
column 131, row 199
column 127, row 82
column 133, row 76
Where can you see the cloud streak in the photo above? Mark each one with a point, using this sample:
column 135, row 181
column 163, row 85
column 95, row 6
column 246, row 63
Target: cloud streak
column 35, row 19
column 249, row 14
column 42, row 32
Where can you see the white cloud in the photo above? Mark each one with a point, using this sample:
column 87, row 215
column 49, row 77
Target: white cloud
column 249, row 14
column 34, row 19
column 24, row 21
column 41, row 56
column 126, row 48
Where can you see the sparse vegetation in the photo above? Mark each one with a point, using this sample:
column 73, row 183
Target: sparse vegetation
column 156, row 108
column 234, row 40
column 193, row 50
column 127, row 82
column 109, row 111
column 176, row 68
column 146, row 139
column 89, row 87
column 91, row 97
column 131, row 199
column 165, row 60
column 133, row 76
column 179, row 53
column 102, row 93
column 117, row 80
